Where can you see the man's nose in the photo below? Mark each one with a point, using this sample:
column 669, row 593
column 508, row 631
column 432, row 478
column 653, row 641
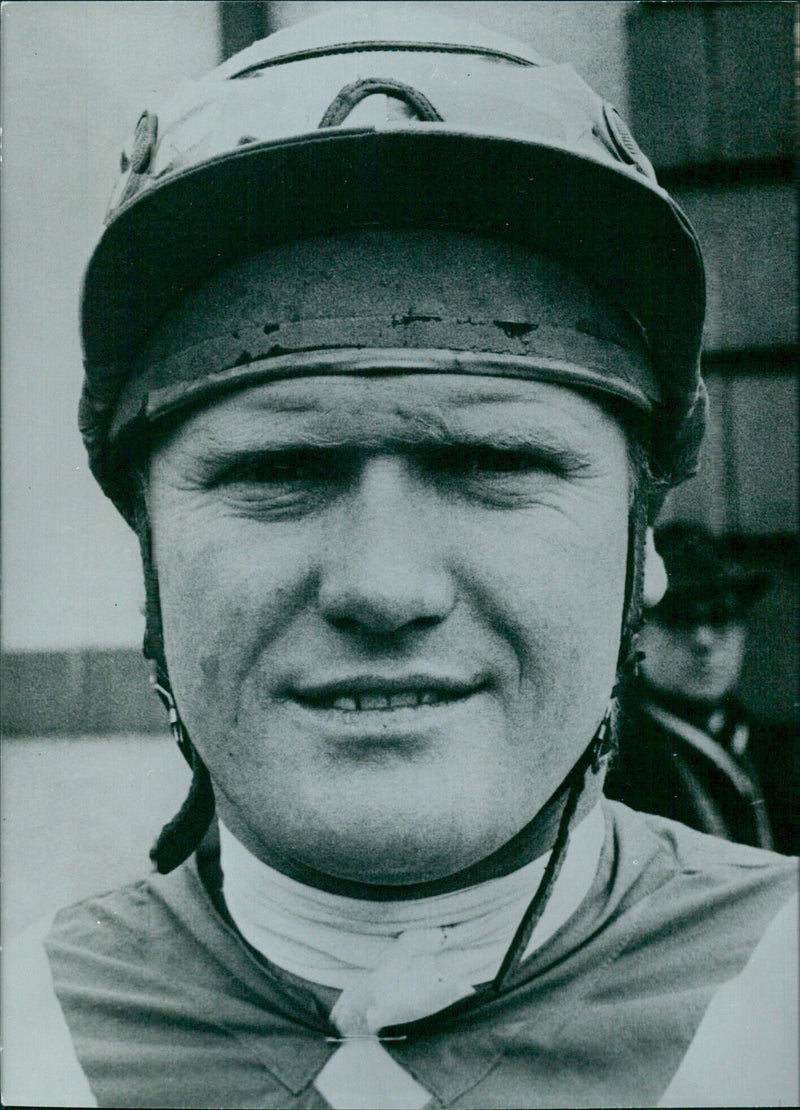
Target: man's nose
column 704, row 636
column 384, row 568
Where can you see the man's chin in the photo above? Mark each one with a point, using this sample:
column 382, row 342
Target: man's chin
column 388, row 863
column 390, row 868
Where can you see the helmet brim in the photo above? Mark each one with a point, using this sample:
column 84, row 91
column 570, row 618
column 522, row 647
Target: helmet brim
column 611, row 225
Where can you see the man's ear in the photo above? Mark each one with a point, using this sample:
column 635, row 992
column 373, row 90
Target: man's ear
column 655, row 573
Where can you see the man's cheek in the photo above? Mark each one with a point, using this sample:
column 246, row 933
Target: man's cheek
column 202, row 622
column 557, row 604
column 223, row 613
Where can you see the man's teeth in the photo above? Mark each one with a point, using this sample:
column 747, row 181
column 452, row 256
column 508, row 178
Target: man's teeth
column 348, row 704
column 407, row 699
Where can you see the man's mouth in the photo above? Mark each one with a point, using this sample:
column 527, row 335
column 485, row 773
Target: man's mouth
column 355, row 703
column 366, row 694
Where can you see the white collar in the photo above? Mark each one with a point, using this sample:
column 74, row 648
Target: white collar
column 395, row 959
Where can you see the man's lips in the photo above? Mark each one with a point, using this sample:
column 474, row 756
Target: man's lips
column 375, row 693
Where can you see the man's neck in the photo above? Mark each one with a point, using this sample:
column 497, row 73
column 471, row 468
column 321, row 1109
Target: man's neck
column 336, row 941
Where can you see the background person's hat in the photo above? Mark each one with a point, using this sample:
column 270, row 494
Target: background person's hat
column 704, row 583
column 391, row 116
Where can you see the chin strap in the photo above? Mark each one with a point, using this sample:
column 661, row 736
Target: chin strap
column 633, row 607
column 602, row 746
column 591, row 760
column 181, row 836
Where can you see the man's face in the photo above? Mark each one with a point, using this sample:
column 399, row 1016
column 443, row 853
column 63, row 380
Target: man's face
column 391, row 609
column 701, row 662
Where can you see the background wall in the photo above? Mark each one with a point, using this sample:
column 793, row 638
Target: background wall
column 711, row 96
column 78, row 812
column 708, row 91
column 76, row 76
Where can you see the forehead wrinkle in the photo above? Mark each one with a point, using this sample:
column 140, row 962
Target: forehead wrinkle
column 314, row 393
column 369, row 431
column 370, row 418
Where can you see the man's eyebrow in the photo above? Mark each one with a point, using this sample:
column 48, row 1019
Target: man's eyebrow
column 420, row 432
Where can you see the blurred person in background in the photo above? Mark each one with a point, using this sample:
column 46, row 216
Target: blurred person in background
column 392, row 350
column 689, row 749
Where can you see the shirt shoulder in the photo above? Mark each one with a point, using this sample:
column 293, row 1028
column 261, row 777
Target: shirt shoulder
column 670, row 849
column 658, row 973
column 154, row 984
column 745, row 1051
column 685, row 887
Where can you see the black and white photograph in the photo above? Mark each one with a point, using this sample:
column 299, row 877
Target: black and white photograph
column 399, row 554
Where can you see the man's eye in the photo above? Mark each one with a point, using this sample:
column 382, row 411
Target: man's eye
column 289, row 468
column 476, row 462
